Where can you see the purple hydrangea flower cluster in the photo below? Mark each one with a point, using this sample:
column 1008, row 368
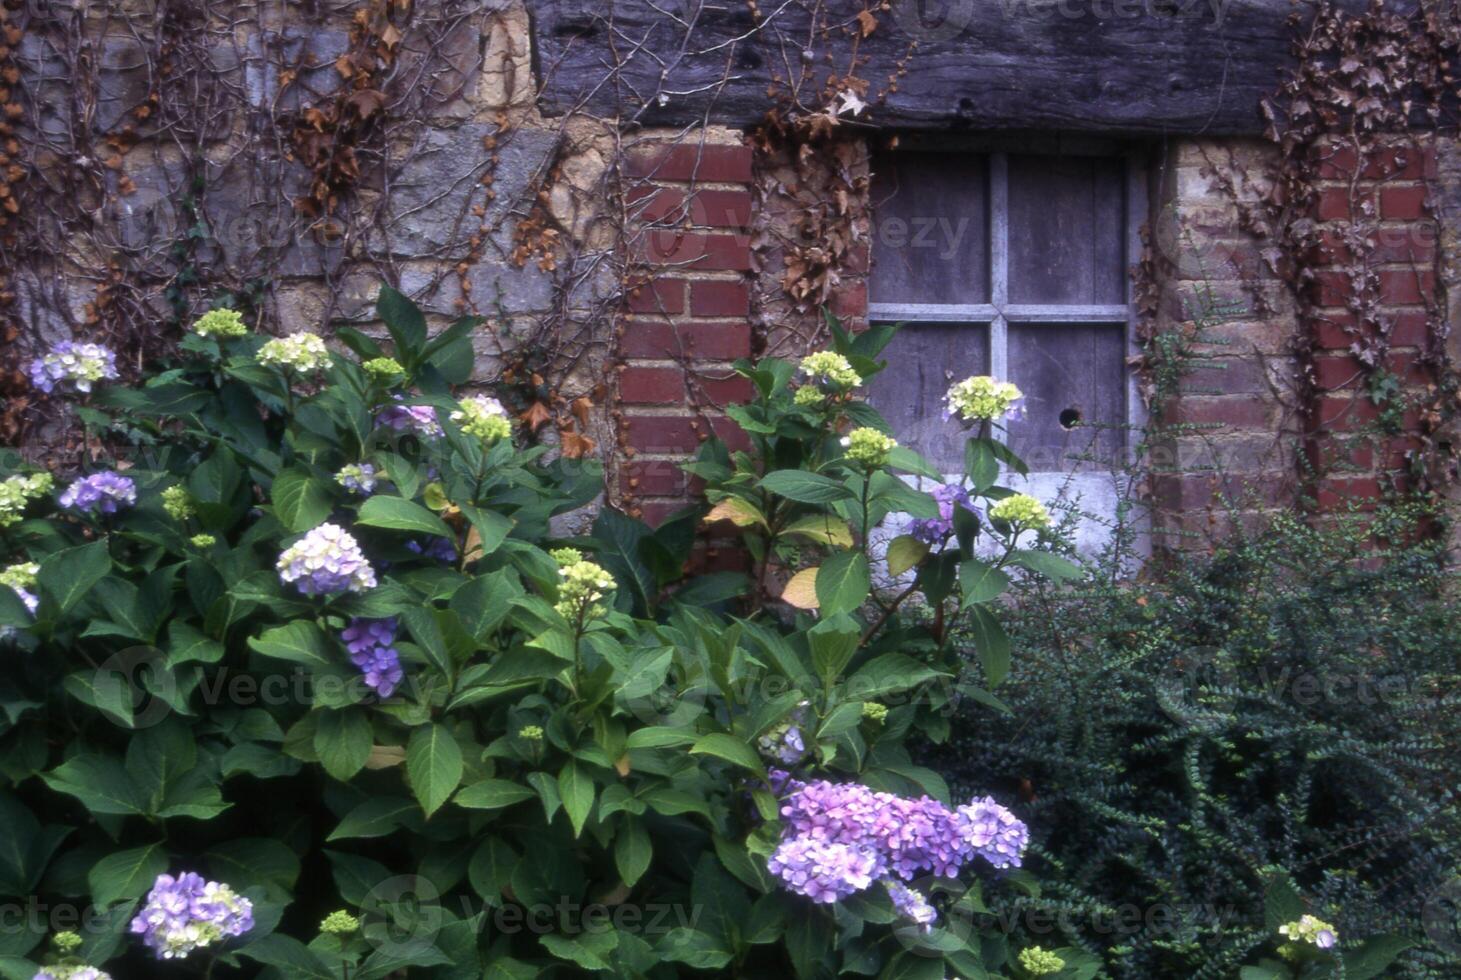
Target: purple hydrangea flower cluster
column 932, row 530
column 106, row 492
column 81, row 364
column 822, row 870
column 362, row 479
column 902, row 837
column 326, row 560
column 993, row 832
column 420, row 419
column 187, row 913
column 71, row 973
column 436, row 549
column 29, row 598
column 371, row 643
column 785, row 743
column 911, row 905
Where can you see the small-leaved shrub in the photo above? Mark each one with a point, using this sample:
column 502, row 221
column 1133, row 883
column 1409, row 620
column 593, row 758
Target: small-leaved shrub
column 1263, row 738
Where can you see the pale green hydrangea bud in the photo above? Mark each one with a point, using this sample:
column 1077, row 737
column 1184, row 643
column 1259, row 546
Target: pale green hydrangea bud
column 483, row 418
column 808, row 397
column 566, row 556
column 1040, row 962
column 829, row 369
column 1022, row 510
column 20, row 576
column 875, row 712
column 66, row 942
column 383, row 369
column 339, row 923
column 178, row 503
column 1312, row 930
column 221, row 323
column 584, row 584
column 868, row 446
column 203, row 540
column 530, row 732
column 16, row 492
column 303, row 353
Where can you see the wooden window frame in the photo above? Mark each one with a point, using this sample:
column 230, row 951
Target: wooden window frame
column 998, row 314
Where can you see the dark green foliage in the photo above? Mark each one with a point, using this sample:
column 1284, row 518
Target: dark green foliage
column 1290, row 702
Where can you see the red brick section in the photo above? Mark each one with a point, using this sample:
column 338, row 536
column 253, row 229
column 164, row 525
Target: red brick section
column 1354, row 458
column 684, row 327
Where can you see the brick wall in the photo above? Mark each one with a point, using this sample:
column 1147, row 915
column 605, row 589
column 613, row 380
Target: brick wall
column 689, row 317
column 1374, row 292
column 1228, row 433
column 1275, row 408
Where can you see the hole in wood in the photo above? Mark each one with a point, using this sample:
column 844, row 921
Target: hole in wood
column 1070, row 418
column 575, row 28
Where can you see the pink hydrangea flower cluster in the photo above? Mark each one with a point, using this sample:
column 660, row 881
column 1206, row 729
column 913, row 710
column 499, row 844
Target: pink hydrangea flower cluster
column 419, row 419
column 840, row 837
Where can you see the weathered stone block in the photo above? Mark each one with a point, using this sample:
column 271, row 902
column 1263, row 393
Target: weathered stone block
column 436, row 182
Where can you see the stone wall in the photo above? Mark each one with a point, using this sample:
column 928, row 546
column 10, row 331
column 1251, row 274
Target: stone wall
column 183, row 154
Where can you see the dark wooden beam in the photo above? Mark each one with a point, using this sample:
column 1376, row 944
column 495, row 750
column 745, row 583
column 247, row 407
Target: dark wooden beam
column 1119, row 66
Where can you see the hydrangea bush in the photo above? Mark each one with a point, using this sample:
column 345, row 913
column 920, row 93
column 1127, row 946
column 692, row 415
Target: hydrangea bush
column 313, row 680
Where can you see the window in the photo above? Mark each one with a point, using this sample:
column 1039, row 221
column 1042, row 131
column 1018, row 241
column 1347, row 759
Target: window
column 1010, row 263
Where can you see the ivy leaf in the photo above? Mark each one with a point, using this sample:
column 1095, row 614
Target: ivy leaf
column 434, row 764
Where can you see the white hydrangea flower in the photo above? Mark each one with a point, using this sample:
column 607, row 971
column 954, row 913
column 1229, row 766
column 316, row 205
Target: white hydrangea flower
column 303, row 353
column 326, row 560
